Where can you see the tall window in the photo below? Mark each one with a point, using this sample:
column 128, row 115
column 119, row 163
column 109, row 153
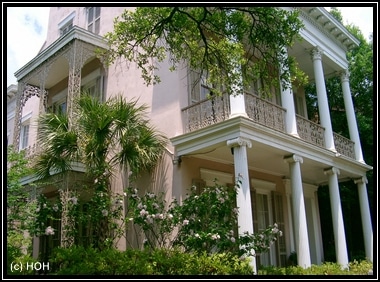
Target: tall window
column 24, row 136
column 199, row 87
column 93, row 19
column 299, row 104
column 94, row 88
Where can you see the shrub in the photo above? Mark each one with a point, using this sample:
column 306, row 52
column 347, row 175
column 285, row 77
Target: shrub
column 90, row 261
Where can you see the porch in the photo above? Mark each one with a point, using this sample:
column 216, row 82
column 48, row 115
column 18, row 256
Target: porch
column 263, row 112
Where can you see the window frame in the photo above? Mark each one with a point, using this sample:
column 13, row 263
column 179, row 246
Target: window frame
column 66, row 25
column 93, row 24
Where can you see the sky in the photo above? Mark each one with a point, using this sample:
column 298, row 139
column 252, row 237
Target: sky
column 27, row 29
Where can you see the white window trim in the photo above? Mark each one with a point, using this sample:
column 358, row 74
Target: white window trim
column 209, row 176
column 26, row 117
column 66, row 20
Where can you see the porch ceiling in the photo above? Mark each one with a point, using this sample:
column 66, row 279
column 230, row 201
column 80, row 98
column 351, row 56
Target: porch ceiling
column 267, row 153
column 53, row 62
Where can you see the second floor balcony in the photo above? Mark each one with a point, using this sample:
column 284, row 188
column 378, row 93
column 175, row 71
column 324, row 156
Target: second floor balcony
column 264, row 113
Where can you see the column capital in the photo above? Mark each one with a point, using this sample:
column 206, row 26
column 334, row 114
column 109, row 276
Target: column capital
column 316, row 53
column 239, row 141
column 331, row 170
column 293, row 158
column 344, row 75
column 361, row 180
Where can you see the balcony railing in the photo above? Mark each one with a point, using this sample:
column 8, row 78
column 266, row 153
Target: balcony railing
column 310, row 131
column 344, row 146
column 260, row 111
column 206, row 112
column 264, row 112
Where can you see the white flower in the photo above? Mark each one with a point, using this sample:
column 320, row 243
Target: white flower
column 44, row 206
column 170, row 216
column 215, row 236
column 144, row 212
column 74, row 200
column 49, row 230
column 125, row 194
column 55, row 207
column 196, row 235
column 185, row 222
column 149, row 219
column 159, row 215
column 232, row 239
column 104, row 212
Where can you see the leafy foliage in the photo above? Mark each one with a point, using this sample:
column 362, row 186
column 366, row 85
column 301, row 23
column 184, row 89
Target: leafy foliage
column 98, row 129
column 231, row 45
column 79, row 260
column 103, row 136
column 205, row 221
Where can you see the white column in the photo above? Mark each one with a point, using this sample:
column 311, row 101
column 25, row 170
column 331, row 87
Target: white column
column 337, row 217
column 237, row 105
column 366, row 217
column 323, row 106
column 245, row 220
column 299, row 213
column 287, row 102
column 350, row 114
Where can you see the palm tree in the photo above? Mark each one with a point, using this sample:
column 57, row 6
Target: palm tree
column 103, row 137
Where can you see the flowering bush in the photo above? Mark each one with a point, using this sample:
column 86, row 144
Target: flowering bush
column 84, row 215
column 205, row 221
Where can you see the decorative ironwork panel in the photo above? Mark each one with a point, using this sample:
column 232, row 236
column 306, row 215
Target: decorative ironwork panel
column 265, row 112
column 344, row 145
column 310, row 131
column 206, row 112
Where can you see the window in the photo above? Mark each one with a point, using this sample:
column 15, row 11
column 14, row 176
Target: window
column 59, row 103
column 93, row 19
column 265, row 214
column 24, row 136
column 66, row 28
column 299, row 105
column 48, row 243
column 199, row 89
column 60, row 107
column 94, row 88
column 66, row 25
column 259, row 88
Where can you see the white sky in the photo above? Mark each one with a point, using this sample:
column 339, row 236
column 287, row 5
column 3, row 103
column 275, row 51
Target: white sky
column 27, row 28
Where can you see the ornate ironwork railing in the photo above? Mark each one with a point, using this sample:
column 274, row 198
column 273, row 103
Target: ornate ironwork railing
column 264, row 112
column 310, row 131
column 344, row 145
column 261, row 111
column 206, row 112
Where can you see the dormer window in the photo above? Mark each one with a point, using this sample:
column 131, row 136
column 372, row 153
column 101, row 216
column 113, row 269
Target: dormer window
column 66, row 25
